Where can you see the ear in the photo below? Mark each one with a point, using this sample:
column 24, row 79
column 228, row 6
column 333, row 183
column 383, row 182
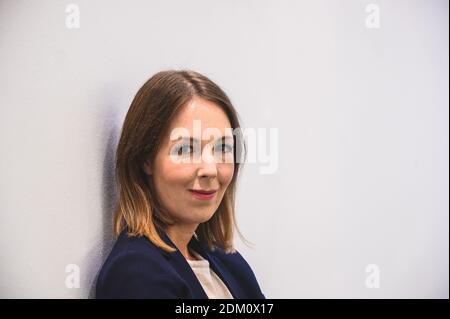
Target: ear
column 147, row 167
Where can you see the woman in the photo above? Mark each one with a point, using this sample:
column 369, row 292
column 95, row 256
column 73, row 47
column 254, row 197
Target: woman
column 176, row 171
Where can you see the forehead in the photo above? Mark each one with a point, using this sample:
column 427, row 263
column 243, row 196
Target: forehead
column 200, row 111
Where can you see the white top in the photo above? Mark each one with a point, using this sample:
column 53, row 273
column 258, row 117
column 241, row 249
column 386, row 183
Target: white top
column 211, row 283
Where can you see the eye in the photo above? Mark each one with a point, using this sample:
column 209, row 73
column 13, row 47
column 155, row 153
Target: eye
column 183, row 150
column 224, row 148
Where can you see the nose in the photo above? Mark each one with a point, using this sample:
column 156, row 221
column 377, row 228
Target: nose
column 208, row 170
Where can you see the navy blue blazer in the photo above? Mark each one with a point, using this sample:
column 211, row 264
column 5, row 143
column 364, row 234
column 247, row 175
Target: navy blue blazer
column 136, row 268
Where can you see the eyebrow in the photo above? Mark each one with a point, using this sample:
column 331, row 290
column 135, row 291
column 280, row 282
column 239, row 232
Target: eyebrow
column 191, row 139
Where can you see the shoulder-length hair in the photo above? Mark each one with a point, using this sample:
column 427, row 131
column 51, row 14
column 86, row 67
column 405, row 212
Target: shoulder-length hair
column 152, row 109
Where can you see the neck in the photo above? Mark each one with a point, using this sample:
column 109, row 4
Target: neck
column 181, row 235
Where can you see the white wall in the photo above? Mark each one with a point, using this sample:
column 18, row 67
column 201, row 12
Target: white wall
column 363, row 125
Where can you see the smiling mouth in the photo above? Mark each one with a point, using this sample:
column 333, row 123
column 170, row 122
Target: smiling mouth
column 203, row 194
column 201, row 191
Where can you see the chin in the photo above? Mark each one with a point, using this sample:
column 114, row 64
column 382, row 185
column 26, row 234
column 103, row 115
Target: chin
column 202, row 218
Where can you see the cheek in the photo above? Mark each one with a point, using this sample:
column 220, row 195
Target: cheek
column 170, row 178
column 174, row 175
column 226, row 172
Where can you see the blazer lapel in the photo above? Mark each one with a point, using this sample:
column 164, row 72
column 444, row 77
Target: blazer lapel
column 216, row 266
column 180, row 264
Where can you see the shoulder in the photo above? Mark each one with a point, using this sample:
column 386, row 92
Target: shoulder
column 125, row 273
column 239, row 268
column 231, row 260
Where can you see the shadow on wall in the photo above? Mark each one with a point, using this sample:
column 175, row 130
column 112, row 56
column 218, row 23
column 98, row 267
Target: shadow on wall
column 98, row 254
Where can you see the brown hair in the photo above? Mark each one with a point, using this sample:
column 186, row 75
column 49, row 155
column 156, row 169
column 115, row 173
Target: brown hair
column 145, row 125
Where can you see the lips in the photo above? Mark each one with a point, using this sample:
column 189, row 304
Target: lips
column 201, row 191
column 203, row 194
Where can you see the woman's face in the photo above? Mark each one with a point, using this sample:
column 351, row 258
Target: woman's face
column 182, row 165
